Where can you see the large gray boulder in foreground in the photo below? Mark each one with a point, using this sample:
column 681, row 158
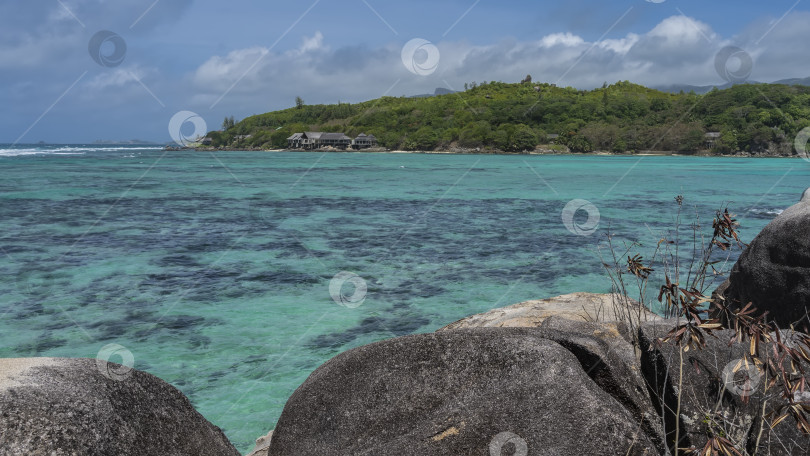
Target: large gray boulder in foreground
column 774, row 271
column 478, row 391
column 53, row 406
column 564, row 386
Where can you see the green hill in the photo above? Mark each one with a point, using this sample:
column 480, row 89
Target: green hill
column 623, row 117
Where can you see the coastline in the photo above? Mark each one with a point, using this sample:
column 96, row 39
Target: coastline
column 482, row 151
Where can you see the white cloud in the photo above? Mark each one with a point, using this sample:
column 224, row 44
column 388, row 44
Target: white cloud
column 30, row 52
column 56, row 34
column 678, row 50
column 621, row 45
column 681, row 30
column 312, row 44
column 117, row 78
column 778, row 47
column 218, row 73
column 561, row 39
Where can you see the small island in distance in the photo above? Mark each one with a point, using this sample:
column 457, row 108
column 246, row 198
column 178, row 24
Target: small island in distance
column 529, row 117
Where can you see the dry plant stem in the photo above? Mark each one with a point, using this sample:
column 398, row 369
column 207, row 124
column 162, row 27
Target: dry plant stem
column 620, row 286
column 680, row 395
column 678, row 259
column 686, row 304
column 762, row 416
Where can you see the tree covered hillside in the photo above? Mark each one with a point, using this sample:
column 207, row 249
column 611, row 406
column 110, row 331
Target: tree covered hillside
column 512, row 117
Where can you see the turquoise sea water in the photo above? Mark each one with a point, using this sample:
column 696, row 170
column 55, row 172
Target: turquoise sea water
column 214, row 270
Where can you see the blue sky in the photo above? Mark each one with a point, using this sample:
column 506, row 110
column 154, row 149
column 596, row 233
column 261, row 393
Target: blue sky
column 247, row 57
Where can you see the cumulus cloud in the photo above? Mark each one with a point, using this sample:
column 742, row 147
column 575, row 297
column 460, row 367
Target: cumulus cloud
column 58, row 32
column 679, row 49
column 561, row 39
column 619, row 46
column 315, row 43
column 119, row 77
column 778, row 46
column 220, row 72
column 44, row 49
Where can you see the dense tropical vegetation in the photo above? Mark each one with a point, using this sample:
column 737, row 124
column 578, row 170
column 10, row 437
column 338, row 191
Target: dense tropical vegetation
column 622, row 117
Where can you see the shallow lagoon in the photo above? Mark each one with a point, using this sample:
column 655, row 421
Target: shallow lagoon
column 213, row 270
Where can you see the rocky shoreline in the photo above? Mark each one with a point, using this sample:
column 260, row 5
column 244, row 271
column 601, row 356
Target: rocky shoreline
column 575, row 374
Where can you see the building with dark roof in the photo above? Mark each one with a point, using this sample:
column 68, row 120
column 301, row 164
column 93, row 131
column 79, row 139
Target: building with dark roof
column 364, row 141
column 711, row 139
column 295, row 141
column 316, row 139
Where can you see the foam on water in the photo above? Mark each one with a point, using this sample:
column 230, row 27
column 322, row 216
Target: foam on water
column 765, row 211
column 8, row 150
